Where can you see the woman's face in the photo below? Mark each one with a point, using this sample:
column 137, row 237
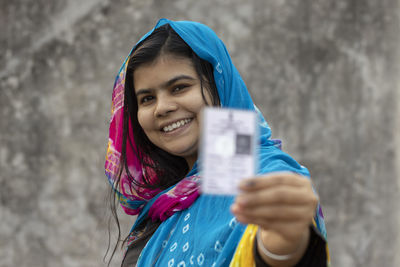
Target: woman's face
column 169, row 101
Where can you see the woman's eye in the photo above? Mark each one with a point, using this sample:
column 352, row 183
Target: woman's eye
column 146, row 99
column 178, row 88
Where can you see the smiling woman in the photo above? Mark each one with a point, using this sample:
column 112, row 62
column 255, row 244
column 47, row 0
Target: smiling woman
column 170, row 75
column 169, row 98
column 152, row 85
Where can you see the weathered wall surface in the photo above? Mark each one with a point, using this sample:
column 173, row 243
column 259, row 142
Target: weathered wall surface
column 324, row 73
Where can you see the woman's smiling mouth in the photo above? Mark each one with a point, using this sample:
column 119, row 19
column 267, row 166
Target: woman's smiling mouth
column 175, row 125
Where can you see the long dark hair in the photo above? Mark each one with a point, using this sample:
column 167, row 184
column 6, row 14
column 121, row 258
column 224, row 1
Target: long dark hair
column 168, row 168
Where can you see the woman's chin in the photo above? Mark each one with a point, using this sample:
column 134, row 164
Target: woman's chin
column 188, row 151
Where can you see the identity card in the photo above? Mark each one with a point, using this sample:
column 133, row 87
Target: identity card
column 227, row 152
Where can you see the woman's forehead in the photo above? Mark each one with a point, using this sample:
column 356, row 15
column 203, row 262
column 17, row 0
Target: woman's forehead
column 165, row 63
column 163, row 69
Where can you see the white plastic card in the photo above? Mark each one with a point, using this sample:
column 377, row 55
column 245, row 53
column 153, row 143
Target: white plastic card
column 227, row 149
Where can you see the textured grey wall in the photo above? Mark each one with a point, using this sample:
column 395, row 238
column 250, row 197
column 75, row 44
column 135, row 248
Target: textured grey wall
column 325, row 73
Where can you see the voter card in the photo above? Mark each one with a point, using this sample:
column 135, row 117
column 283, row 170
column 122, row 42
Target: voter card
column 227, row 151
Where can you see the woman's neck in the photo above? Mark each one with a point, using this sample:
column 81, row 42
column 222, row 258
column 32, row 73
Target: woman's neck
column 191, row 161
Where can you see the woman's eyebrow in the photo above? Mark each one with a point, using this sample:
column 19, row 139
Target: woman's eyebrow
column 166, row 84
column 143, row 92
column 177, row 78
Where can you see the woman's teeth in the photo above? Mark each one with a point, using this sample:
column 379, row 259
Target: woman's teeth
column 175, row 125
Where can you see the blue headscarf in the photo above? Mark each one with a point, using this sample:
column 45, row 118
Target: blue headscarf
column 207, row 233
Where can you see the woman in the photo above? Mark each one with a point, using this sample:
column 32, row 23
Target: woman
column 170, row 75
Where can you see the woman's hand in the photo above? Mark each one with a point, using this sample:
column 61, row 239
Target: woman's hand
column 282, row 205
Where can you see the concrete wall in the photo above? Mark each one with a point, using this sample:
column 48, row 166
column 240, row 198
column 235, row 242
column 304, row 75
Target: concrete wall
column 325, row 74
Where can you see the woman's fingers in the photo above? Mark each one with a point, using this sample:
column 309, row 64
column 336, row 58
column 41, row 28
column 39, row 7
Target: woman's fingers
column 277, row 188
column 283, row 203
column 275, row 213
column 280, row 194
column 271, row 180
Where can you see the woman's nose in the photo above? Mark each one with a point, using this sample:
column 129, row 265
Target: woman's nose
column 165, row 105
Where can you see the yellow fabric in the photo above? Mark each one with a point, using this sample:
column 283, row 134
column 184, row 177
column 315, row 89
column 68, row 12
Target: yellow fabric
column 244, row 256
column 328, row 257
